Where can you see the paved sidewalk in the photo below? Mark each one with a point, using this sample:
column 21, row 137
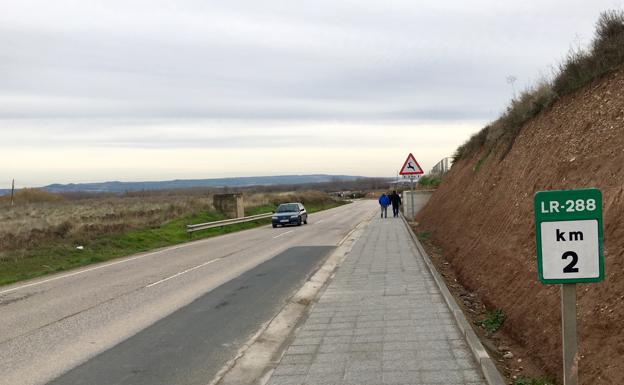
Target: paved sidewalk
column 382, row 320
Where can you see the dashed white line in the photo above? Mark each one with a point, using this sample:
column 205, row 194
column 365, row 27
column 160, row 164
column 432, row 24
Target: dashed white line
column 277, row 236
column 182, row 272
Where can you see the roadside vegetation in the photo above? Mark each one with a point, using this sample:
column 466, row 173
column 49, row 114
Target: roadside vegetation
column 430, row 181
column 45, row 232
column 533, row 381
column 423, row 235
column 581, row 67
column 493, row 320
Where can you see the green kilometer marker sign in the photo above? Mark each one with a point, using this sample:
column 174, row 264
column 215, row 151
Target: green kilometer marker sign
column 568, row 228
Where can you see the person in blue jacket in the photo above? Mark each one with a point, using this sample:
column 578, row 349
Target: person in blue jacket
column 384, row 201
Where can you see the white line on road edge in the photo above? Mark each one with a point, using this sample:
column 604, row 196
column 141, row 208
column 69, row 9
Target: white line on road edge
column 277, row 236
column 182, row 272
column 86, row 270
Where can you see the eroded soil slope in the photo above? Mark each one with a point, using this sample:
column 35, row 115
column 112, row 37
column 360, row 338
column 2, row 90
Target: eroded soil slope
column 482, row 218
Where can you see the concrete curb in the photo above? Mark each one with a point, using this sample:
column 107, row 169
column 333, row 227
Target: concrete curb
column 491, row 374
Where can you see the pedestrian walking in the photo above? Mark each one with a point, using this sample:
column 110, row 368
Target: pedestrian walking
column 395, row 199
column 384, row 201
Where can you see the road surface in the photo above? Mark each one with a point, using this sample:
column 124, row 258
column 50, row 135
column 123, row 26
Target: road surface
column 173, row 316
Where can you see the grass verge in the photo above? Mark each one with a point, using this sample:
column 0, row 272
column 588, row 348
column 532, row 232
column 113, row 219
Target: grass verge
column 22, row 265
column 424, row 235
column 430, row 181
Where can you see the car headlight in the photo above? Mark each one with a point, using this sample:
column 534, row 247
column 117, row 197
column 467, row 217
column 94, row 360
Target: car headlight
column 294, row 216
column 274, row 217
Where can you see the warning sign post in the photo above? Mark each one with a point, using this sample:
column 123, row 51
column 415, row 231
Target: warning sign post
column 411, row 169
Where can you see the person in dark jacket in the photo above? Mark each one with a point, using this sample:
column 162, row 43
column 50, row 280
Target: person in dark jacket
column 395, row 199
column 384, row 201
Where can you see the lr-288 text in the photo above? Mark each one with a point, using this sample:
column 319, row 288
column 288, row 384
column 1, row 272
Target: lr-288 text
column 569, row 206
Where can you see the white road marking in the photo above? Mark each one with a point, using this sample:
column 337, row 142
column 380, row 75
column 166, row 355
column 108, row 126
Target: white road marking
column 86, row 270
column 183, row 272
column 277, row 236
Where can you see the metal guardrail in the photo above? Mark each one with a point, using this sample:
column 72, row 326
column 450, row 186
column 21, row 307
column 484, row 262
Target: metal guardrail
column 225, row 222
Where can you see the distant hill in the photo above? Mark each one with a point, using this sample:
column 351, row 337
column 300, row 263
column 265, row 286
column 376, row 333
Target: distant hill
column 120, row 187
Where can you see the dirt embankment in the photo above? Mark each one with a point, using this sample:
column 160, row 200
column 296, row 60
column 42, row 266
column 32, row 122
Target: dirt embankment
column 482, row 218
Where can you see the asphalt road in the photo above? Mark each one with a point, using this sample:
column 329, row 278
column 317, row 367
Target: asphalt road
column 173, row 316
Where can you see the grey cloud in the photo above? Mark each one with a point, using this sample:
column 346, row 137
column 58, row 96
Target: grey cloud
column 317, row 60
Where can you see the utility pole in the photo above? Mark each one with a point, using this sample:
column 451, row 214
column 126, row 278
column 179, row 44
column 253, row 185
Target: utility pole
column 12, row 190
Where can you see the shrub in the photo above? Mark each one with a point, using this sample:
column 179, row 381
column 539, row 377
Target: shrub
column 472, row 145
column 493, row 320
column 32, row 195
column 429, row 181
column 605, row 54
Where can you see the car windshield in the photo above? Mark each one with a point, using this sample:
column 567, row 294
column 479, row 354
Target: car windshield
column 288, row 208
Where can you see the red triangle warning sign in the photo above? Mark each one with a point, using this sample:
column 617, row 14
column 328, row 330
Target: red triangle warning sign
column 411, row 167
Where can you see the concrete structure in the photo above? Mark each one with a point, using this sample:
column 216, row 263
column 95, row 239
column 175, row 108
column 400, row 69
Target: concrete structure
column 382, row 320
column 230, row 204
column 411, row 206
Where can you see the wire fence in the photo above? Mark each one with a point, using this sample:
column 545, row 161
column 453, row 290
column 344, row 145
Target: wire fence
column 442, row 167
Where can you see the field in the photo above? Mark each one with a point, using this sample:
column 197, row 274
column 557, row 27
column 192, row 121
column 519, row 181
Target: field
column 44, row 233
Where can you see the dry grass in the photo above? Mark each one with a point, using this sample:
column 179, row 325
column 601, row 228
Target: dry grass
column 581, row 67
column 39, row 236
column 28, row 225
column 39, row 217
column 606, row 54
column 30, row 195
column 261, row 199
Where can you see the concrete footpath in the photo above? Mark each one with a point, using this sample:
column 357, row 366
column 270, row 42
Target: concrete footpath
column 381, row 320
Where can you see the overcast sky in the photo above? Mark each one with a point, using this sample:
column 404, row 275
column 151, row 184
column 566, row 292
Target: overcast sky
column 150, row 90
